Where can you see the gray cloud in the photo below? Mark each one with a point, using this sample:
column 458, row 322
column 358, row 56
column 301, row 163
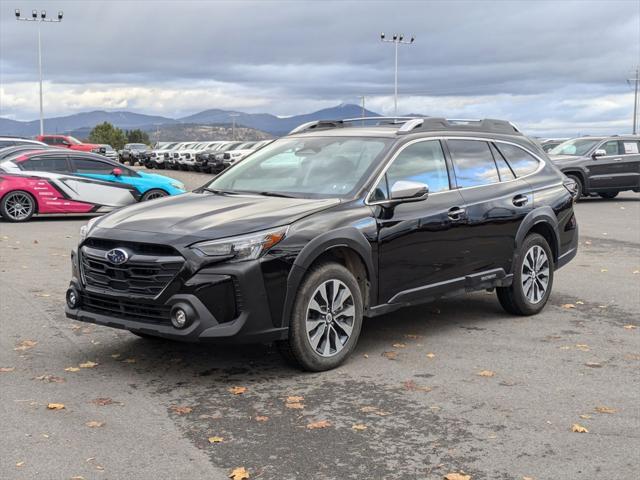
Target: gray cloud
column 286, row 52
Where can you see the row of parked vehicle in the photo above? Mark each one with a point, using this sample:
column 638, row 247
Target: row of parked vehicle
column 36, row 178
column 208, row 157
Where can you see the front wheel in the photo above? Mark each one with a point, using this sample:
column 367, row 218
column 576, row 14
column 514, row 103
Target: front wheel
column 326, row 319
column 609, row 195
column 153, row 194
column 532, row 279
column 17, row 206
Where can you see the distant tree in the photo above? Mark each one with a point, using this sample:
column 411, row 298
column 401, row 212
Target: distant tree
column 137, row 136
column 108, row 134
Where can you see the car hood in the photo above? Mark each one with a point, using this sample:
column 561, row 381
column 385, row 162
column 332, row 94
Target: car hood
column 158, row 178
column 212, row 216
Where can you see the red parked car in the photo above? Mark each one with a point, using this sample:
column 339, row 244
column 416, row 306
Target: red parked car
column 67, row 141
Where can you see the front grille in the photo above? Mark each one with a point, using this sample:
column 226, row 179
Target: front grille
column 148, row 271
column 128, row 310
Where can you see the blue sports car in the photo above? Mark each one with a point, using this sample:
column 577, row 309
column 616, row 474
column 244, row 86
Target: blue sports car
column 147, row 186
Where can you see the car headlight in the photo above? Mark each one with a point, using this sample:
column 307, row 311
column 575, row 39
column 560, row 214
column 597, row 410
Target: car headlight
column 243, row 247
column 179, row 186
column 85, row 229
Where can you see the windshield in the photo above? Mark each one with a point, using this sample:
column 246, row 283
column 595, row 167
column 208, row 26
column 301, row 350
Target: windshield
column 312, row 167
column 74, row 140
column 167, row 146
column 576, row 147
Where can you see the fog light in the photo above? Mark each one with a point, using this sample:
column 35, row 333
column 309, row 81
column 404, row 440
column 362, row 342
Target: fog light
column 73, row 298
column 179, row 318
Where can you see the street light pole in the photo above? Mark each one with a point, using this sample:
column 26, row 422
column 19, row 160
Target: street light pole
column 39, row 20
column 397, row 40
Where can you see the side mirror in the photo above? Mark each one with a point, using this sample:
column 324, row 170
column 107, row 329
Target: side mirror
column 404, row 190
column 600, row 153
column 116, row 171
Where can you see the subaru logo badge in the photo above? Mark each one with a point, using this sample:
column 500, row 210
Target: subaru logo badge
column 117, row 256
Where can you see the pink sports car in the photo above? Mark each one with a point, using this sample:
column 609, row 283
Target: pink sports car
column 24, row 194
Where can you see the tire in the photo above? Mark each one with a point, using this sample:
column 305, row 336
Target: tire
column 609, row 195
column 18, row 206
column 580, row 185
column 517, row 299
column 335, row 335
column 153, row 194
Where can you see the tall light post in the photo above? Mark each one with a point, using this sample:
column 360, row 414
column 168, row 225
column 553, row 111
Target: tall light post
column 39, row 19
column 233, row 125
column 396, row 40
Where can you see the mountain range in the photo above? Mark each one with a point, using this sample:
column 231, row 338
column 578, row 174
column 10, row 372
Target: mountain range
column 264, row 122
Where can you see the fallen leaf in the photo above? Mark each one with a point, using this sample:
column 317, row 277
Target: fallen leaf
column 630, row 327
column 20, row 464
column 239, row 474
column 77, row 477
column 528, row 478
column 603, row 409
column 294, row 405
column 399, row 345
column 603, row 270
column 390, row 355
column 568, row 305
column 318, row 424
column 457, row 476
column 587, row 242
column 486, row 373
column 359, row 427
column 25, row 345
column 129, row 360
column 294, row 399
column 578, row 428
column 237, row 390
column 50, row 379
column 582, row 347
column 215, row 439
column 431, row 355
column 261, row 418
column 375, row 410
column 7, row 369
column 411, row 336
column 366, row 355
column 413, row 386
column 94, row 424
column 585, row 416
column 102, row 401
column 55, row 406
column 115, row 355
column 579, row 302
column 88, row 364
column 181, row 410
column 72, row 369
column 593, row 365
column 636, row 272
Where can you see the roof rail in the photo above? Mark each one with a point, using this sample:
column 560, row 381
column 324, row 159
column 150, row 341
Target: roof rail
column 432, row 123
column 327, row 124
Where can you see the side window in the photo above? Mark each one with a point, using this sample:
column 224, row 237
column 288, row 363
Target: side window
column 473, row 163
column 55, row 164
column 612, row 147
column 7, row 143
column 630, row 147
column 85, row 165
column 503, row 167
column 421, row 162
column 521, row 162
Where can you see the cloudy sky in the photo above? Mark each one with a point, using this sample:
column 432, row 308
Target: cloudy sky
column 550, row 66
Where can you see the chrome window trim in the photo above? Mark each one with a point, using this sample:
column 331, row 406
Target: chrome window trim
column 541, row 164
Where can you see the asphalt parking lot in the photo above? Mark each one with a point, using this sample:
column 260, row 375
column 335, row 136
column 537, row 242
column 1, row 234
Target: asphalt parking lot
column 457, row 386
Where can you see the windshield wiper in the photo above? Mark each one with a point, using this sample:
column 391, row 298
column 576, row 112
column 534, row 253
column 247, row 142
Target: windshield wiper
column 219, row 192
column 276, row 194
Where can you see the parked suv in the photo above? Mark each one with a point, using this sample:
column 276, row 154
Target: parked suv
column 133, row 152
column 604, row 166
column 331, row 223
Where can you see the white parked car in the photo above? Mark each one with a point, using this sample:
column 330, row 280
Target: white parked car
column 232, row 157
column 187, row 156
column 157, row 155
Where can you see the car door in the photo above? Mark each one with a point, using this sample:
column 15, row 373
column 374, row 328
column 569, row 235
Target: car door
column 606, row 172
column 100, row 185
column 495, row 202
column 420, row 244
column 630, row 163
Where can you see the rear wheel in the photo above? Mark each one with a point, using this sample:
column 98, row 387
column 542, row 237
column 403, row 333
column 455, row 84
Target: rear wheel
column 532, row 279
column 326, row 319
column 579, row 185
column 609, row 195
column 17, row 206
column 153, row 194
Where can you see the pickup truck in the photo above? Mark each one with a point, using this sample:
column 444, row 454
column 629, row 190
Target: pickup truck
column 67, row 141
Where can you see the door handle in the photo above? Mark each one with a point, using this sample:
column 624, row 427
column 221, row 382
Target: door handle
column 520, row 200
column 455, row 213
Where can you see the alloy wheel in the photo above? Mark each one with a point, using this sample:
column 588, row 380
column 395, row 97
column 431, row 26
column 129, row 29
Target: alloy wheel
column 19, row 206
column 154, row 195
column 330, row 318
column 535, row 274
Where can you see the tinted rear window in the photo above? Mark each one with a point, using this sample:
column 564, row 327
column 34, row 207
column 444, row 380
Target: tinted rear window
column 55, row 164
column 473, row 163
column 521, row 162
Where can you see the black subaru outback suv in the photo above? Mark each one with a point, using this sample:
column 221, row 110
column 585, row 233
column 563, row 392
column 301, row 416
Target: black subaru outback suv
column 330, row 224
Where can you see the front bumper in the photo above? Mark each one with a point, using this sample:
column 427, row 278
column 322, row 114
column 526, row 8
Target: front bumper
column 226, row 302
